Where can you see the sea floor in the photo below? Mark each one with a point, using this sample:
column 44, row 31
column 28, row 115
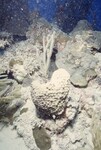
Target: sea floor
column 9, row 139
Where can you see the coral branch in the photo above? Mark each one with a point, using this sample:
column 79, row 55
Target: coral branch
column 48, row 44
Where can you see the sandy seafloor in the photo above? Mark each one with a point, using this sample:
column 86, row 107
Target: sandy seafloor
column 9, row 139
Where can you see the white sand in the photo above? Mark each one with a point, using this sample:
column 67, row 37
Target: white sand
column 9, row 139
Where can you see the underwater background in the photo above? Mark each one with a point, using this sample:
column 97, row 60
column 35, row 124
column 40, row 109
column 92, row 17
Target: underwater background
column 71, row 10
column 64, row 13
column 50, row 74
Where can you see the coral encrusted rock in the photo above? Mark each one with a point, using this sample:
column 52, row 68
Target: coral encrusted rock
column 50, row 97
column 17, row 68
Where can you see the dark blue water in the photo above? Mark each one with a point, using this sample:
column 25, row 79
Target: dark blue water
column 71, row 11
column 14, row 15
column 94, row 14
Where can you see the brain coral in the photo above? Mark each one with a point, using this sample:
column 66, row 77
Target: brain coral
column 50, row 97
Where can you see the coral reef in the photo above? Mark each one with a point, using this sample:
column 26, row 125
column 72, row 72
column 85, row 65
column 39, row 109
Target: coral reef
column 58, row 108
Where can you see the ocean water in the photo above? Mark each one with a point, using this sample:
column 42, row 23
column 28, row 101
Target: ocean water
column 64, row 13
column 74, row 9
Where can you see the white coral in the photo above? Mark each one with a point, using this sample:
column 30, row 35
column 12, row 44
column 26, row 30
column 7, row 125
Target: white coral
column 48, row 44
column 4, row 43
column 51, row 96
column 19, row 72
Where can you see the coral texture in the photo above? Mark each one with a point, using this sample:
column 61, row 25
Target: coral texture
column 50, row 97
